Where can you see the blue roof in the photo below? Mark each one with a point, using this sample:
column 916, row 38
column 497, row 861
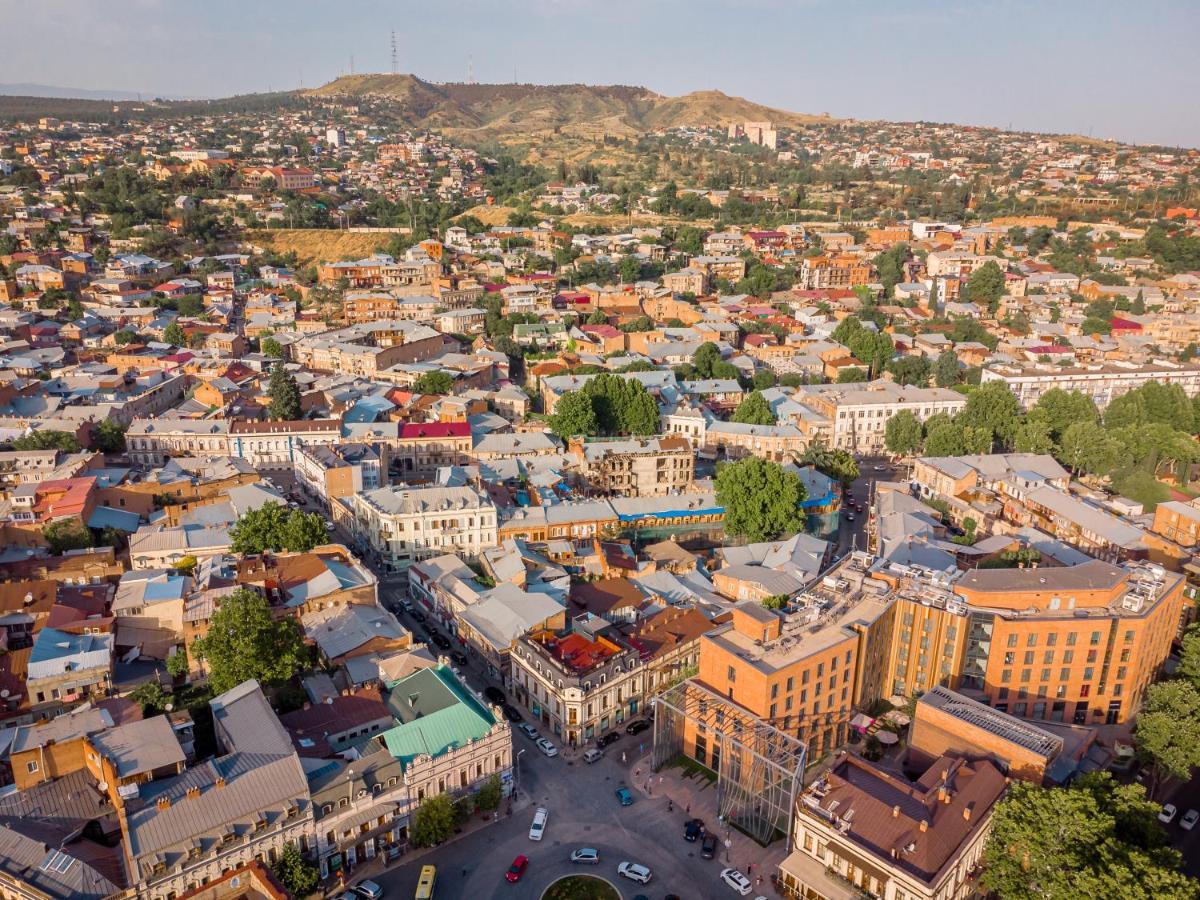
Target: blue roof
column 121, row 519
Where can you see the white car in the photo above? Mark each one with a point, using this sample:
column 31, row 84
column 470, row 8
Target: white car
column 546, row 747
column 634, row 872
column 529, row 731
column 538, row 828
column 1167, row 814
column 1189, row 820
column 592, row 755
column 585, row 855
column 737, row 881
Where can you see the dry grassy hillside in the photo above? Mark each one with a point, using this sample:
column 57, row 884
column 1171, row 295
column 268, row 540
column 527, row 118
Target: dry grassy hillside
column 313, row 245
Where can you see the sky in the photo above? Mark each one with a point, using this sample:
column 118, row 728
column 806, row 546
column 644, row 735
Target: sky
column 1108, row 68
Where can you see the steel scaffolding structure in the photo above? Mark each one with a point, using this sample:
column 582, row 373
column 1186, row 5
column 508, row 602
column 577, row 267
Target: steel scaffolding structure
column 760, row 769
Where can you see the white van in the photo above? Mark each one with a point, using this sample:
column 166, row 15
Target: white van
column 539, row 824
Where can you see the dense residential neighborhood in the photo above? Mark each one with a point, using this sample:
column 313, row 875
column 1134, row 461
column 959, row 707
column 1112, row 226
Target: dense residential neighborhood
column 804, row 509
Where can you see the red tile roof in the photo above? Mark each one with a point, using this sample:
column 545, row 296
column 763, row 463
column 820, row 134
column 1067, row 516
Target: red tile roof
column 435, row 430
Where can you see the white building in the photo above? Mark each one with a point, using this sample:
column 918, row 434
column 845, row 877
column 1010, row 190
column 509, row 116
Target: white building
column 1102, row 383
column 856, row 414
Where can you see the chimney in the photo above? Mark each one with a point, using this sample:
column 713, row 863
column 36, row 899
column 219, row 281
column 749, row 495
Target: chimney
column 924, row 825
column 220, row 781
column 163, row 803
column 943, row 794
column 193, row 792
column 967, row 813
column 896, row 811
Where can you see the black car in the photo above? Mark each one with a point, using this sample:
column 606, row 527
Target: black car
column 494, row 694
column 511, row 713
column 418, row 616
column 708, row 846
column 459, row 658
column 637, row 726
column 607, row 739
column 693, row 829
column 441, row 640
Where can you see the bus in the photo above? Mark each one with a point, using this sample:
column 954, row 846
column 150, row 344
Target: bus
column 426, row 883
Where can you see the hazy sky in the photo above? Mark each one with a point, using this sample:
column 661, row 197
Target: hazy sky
column 1112, row 68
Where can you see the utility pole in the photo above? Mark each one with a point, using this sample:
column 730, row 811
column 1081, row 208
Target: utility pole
column 395, row 67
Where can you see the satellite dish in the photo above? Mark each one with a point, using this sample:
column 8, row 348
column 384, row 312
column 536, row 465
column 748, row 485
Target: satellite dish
column 4, row 694
column 168, row 706
column 103, row 786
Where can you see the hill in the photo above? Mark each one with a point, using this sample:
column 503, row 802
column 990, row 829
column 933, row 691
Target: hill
column 504, row 110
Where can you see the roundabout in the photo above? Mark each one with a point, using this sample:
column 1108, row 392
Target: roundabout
column 581, row 887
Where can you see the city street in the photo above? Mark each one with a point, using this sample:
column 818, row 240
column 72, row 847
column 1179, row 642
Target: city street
column 584, row 812
column 853, row 535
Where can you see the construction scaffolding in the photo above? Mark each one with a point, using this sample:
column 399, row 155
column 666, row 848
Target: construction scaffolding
column 760, row 769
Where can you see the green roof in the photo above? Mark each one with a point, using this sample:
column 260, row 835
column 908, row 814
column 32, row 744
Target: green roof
column 436, row 715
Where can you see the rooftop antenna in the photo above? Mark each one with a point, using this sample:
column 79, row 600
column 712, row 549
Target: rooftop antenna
column 470, row 70
column 395, row 67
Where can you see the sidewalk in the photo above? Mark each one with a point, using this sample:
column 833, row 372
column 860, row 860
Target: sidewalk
column 697, row 798
column 378, row 864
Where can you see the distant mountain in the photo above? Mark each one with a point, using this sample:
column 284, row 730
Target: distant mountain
column 508, row 109
column 69, row 93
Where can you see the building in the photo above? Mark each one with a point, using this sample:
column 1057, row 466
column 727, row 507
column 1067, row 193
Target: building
column 1101, row 382
column 400, row 526
column 331, row 471
column 366, row 349
column 855, row 416
column 580, row 683
column 863, row 830
column 420, row 449
column 648, row 467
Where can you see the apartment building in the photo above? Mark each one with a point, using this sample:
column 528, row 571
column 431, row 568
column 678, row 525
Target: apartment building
column 367, row 348
column 739, row 439
column 399, row 526
column 581, row 683
column 1101, row 382
column 651, row 467
column 835, row 271
column 861, row 829
column 856, row 415
column 731, row 268
column 421, row 448
column 958, row 264
column 275, row 445
column 1075, row 644
column 151, row 442
column 330, row 471
column 1178, row 522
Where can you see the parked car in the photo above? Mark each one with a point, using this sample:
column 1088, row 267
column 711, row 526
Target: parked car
column 368, row 890
column 607, row 739
column 458, row 658
column 1189, row 820
column 517, row 869
column 418, row 617
column 692, row 830
column 637, row 726
column 624, row 797
column 849, row 517
column 708, row 846
column 529, row 731
column 407, row 606
column 538, row 828
column 1167, row 814
column 511, row 712
column 441, row 640
column 585, row 856
column 592, row 755
column 494, row 694
column 737, row 881
column 634, row 872
column 547, row 747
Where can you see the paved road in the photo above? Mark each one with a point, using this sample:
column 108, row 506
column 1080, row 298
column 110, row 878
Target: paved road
column 871, row 469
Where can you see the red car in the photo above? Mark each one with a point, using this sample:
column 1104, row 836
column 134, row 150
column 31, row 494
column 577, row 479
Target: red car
column 517, row 869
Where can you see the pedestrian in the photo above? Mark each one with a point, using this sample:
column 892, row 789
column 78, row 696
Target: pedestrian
column 689, row 809
column 622, row 757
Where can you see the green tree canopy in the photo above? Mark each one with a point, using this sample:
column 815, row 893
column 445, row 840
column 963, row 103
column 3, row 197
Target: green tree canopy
column 1058, row 410
column 840, row 465
column 911, row 370
column 434, row 821
column 1154, row 403
column 1088, row 449
column 271, row 347
column 946, row 371
column 67, row 534
column 707, row 356
column 574, row 415
column 622, row 405
column 993, row 408
column 298, row 876
column 903, row 433
column 1093, row 839
column 284, row 394
column 986, row 285
column 1189, row 656
column 109, row 437
column 1168, row 729
column 761, row 499
column 245, row 641
column 273, row 527
column 754, row 410
column 851, row 375
column 434, row 383
column 47, row 440
column 174, row 335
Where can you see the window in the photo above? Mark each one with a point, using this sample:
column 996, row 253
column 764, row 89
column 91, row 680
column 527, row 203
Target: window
column 1031, row 639
column 1012, row 640
column 31, row 766
column 732, row 674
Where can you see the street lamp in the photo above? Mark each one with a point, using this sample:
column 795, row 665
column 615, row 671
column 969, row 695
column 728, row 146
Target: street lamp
column 517, row 768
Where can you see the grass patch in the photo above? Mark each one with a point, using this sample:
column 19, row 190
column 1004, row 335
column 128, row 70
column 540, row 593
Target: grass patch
column 689, row 768
column 581, row 887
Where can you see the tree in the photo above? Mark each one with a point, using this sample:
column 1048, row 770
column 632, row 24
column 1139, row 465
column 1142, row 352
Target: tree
column 574, row 415
column 1058, row 410
column 760, row 498
column 245, row 641
column 174, row 335
column 150, row 696
column 433, row 821
column 67, row 534
column 763, row 379
column 177, row 663
column 902, row 436
column 597, row 318
column 754, row 410
column 47, row 440
column 490, row 794
column 1093, row 839
column 839, row 465
column 1087, row 448
column 946, row 369
column 707, row 355
column 851, row 374
column 945, row 438
column 846, row 330
column 273, row 527
column 1189, row 656
column 986, row 285
column 993, row 408
column 1034, row 436
column 297, row 876
column 434, row 383
column 630, row 269
column 1168, row 729
column 109, row 437
column 284, row 394
column 622, row 405
column 910, row 370
column 271, row 347
column 776, row 601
